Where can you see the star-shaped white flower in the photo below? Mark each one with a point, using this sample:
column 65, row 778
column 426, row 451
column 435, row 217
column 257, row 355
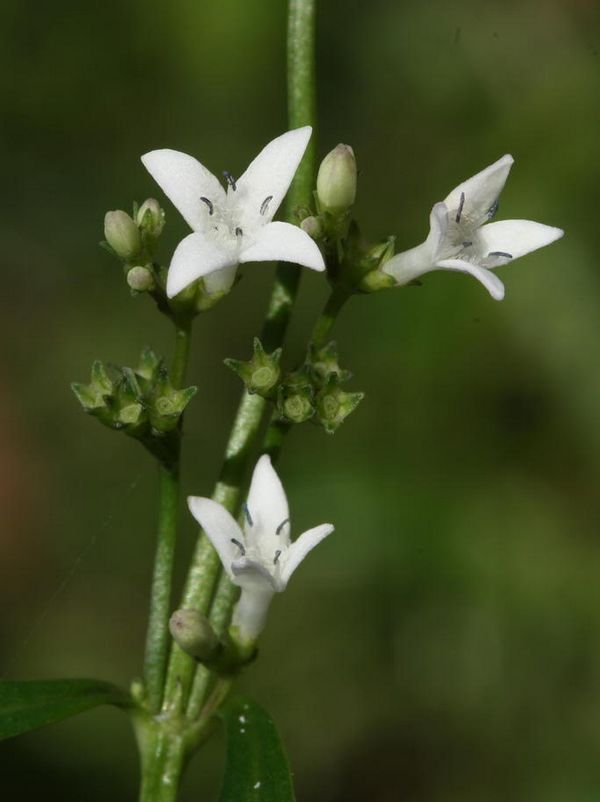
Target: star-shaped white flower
column 260, row 558
column 461, row 237
column 234, row 225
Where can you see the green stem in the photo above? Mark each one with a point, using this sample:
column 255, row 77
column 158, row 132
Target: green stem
column 328, row 316
column 157, row 637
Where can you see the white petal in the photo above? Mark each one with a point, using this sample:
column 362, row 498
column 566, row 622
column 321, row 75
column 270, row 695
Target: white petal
column 184, row 181
column 220, row 528
column 196, row 256
column 252, row 575
column 481, row 191
column 490, row 281
column 269, row 176
column 250, row 614
column 516, row 237
column 283, row 242
column 267, row 502
column 220, row 281
column 411, row 264
column 300, row 548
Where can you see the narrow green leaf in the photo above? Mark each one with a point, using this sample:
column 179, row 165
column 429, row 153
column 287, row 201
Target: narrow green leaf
column 256, row 768
column 27, row 705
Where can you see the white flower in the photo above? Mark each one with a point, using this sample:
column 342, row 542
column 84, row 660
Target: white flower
column 234, row 225
column 260, row 558
column 462, row 238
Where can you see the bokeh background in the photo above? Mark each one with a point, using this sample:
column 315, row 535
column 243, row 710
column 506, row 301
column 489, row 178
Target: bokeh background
column 444, row 645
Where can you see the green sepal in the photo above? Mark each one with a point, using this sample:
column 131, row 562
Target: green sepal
column 334, row 405
column 261, row 373
column 256, row 766
column 26, row 706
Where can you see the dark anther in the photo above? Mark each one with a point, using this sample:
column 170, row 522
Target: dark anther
column 460, row 207
column 265, row 204
column 493, row 209
column 277, row 554
column 239, row 545
column 238, row 232
column 230, row 180
column 467, row 243
column 281, row 525
column 500, row 253
column 247, row 514
column 211, row 208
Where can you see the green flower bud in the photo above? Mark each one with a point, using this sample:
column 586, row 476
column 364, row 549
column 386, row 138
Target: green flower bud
column 334, row 405
column 151, row 218
column 313, row 227
column 324, row 364
column 193, row 633
column 93, row 396
column 122, row 234
column 260, row 374
column 336, row 180
column 149, row 364
column 140, row 279
column 295, row 398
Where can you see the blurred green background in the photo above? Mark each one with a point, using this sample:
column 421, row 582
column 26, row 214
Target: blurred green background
column 444, row 645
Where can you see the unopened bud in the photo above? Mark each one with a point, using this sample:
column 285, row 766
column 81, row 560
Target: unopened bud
column 151, row 218
column 193, row 633
column 140, row 279
column 336, row 180
column 122, row 234
column 312, row 226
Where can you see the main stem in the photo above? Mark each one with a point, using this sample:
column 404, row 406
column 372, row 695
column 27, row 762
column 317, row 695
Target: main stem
column 157, row 637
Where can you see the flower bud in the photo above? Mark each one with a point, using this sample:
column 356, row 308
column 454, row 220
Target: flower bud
column 312, row 226
column 336, row 180
column 193, row 633
column 140, row 279
column 122, row 234
column 151, row 218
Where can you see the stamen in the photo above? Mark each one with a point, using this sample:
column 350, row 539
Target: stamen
column 281, row 525
column 239, row 545
column 501, row 253
column 230, row 180
column 493, row 209
column 276, row 558
column 467, row 243
column 247, row 514
column 265, row 204
column 211, row 208
column 460, row 207
column 238, row 232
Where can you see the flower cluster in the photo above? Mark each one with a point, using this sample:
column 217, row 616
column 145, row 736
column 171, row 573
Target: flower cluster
column 231, row 225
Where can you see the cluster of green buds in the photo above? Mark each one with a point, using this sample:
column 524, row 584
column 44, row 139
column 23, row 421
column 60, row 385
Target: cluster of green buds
column 141, row 402
column 311, row 393
column 353, row 264
column 132, row 239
